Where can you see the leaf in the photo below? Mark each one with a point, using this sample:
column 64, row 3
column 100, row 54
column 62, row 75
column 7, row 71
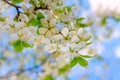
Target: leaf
column 67, row 8
column 104, row 21
column 79, row 20
column 80, row 24
column 87, row 56
column 64, row 69
column 34, row 22
column 79, row 60
column 82, row 61
column 73, row 62
column 2, row 19
column 49, row 77
column 25, row 44
column 83, row 25
column 16, row 1
column 19, row 45
column 40, row 16
column 88, row 43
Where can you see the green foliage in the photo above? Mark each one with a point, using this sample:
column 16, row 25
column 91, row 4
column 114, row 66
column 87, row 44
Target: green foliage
column 88, row 56
column 79, row 20
column 2, row 19
column 104, row 21
column 67, row 8
column 79, row 60
column 34, row 22
column 64, row 69
column 19, row 45
column 40, row 16
column 49, row 77
column 64, row 9
column 88, row 43
column 79, row 23
column 16, row 1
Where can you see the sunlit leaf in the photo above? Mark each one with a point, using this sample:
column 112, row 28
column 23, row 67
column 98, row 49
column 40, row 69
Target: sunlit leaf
column 16, row 1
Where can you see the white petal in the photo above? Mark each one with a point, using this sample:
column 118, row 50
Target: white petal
column 65, row 32
column 53, row 22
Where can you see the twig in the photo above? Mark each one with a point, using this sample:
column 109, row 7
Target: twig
column 15, row 6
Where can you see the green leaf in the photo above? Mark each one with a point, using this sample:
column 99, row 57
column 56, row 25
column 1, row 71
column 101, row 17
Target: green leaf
column 104, row 21
column 79, row 20
column 64, row 69
column 82, row 61
column 25, row 44
column 88, row 43
column 19, row 45
column 40, row 16
column 79, row 60
column 34, row 22
column 40, row 25
column 48, row 77
column 83, row 25
column 87, row 56
column 74, row 62
column 80, row 24
column 16, row 1
column 67, row 8
column 2, row 19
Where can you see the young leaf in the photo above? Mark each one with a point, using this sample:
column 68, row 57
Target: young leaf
column 2, row 19
column 79, row 23
column 19, row 45
column 34, row 22
column 87, row 56
column 73, row 62
column 49, row 77
column 88, row 43
column 82, row 61
column 82, row 25
column 40, row 16
column 16, row 1
column 79, row 20
column 25, row 44
column 64, row 69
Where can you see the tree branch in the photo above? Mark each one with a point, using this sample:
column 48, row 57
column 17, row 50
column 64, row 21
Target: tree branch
column 11, row 4
column 15, row 6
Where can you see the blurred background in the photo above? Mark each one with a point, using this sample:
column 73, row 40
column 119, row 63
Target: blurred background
column 104, row 18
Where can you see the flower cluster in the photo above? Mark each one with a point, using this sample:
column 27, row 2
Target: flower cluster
column 48, row 26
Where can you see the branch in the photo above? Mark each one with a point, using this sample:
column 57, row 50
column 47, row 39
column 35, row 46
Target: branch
column 42, row 8
column 15, row 6
column 11, row 4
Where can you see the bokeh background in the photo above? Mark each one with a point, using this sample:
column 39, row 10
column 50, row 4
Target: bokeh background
column 105, row 66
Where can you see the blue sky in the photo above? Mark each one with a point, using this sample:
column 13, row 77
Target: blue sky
column 107, row 68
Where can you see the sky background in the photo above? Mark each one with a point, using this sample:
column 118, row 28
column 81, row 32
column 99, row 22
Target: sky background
column 106, row 67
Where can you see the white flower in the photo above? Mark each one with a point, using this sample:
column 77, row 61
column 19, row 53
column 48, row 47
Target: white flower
column 44, row 22
column 80, row 31
column 45, row 41
column 65, row 32
column 13, row 38
column 42, row 30
column 72, row 33
column 57, row 37
column 74, row 39
column 53, row 22
column 50, row 48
